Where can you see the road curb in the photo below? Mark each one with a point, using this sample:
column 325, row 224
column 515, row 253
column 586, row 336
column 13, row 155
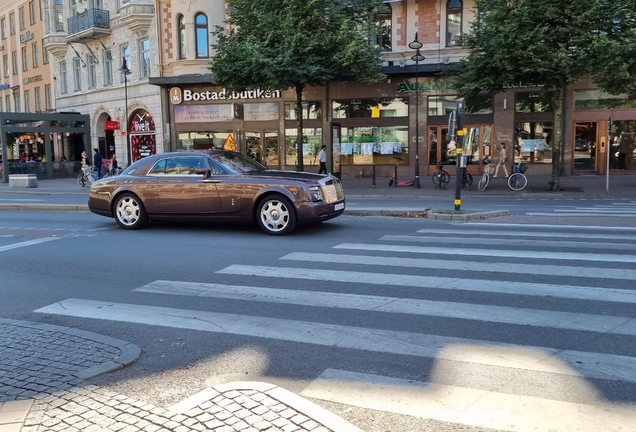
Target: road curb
column 430, row 214
column 470, row 215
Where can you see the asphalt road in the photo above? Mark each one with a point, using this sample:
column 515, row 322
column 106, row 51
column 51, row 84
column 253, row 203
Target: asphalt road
column 481, row 331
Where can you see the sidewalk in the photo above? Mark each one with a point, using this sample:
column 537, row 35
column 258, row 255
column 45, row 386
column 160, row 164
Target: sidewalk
column 44, row 388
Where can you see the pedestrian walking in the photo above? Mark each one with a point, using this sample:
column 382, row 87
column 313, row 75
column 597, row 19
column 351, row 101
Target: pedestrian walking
column 502, row 160
column 97, row 161
column 322, row 157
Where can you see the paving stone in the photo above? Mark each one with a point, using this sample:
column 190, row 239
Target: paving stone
column 259, row 410
column 310, row 425
column 299, row 419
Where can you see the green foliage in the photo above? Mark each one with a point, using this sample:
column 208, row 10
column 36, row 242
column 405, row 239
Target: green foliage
column 280, row 44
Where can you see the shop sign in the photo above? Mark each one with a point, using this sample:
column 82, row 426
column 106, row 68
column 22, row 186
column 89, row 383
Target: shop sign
column 203, row 113
column 25, row 37
column 111, row 125
column 408, row 87
column 32, row 79
column 5, row 86
column 178, row 95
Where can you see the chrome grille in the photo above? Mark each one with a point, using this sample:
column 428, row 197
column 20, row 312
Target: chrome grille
column 332, row 191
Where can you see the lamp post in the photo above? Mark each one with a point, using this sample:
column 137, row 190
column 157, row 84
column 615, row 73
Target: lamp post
column 417, row 58
column 124, row 69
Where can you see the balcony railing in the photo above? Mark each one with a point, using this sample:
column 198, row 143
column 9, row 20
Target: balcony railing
column 92, row 18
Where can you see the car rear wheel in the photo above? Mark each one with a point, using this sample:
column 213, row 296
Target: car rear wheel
column 276, row 215
column 130, row 212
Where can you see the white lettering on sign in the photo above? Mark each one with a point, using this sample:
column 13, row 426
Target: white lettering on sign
column 189, row 95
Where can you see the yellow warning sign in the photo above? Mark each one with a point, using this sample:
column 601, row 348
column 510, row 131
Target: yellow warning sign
column 229, row 143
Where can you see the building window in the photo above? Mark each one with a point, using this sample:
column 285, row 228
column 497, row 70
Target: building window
column 59, row 18
column 47, row 97
column 383, row 23
column 311, row 110
column 77, row 74
column 368, row 108
column 12, row 22
column 63, row 78
column 453, row 21
column 108, row 68
column 17, row 104
column 1, row 110
column 201, row 35
column 22, row 19
column 47, row 16
column 14, row 62
column 5, row 65
column 534, row 102
column 27, row 101
column 124, row 52
column 38, row 100
column 182, row 36
column 533, row 142
column 3, row 25
column 32, row 17
column 8, row 102
column 144, row 58
column 45, row 56
column 36, row 54
column 92, row 71
column 25, row 59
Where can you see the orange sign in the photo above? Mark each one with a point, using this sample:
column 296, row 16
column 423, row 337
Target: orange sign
column 229, row 143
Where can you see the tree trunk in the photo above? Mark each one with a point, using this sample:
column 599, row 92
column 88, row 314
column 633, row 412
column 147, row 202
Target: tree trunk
column 299, row 125
column 557, row 140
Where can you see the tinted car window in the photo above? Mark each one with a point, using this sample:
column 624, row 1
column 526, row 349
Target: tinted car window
column 237, row 163
column 159, row 168
column 179, row 166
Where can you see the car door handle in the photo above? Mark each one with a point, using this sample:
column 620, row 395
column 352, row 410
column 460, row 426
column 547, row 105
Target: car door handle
column 211, row 181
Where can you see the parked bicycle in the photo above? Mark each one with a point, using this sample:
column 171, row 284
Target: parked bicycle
column 86, row 176
column 440, row 177
column 517, row 180
column 467, row 178
column 489, row 170
column 394, row 177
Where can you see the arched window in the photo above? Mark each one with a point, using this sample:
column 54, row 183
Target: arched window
column 453, row 21
column 201, row 35
column 182, row 36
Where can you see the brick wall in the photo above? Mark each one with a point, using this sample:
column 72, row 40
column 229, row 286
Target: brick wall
column 427, row 20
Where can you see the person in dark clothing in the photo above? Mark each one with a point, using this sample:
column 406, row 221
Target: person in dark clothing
column 97, row 161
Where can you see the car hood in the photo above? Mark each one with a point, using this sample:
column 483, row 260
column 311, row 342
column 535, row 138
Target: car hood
column 287, row 175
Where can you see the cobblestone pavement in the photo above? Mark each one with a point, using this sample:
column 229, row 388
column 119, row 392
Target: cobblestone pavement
column 43, row 373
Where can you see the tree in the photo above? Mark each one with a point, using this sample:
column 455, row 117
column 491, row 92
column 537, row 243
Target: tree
column 282, row 44
column 544, row 42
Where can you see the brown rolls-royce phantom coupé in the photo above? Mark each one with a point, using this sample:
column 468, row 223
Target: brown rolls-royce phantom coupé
column 216, row 185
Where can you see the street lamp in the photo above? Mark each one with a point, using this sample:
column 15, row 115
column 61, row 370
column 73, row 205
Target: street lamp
column 417, row 58
column 124, row 69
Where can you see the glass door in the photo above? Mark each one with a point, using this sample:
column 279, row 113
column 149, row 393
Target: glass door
column 263, row 147
column 476, row 146
column 584, row 155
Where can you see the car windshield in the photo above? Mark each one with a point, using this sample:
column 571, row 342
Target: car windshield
column 237, row 163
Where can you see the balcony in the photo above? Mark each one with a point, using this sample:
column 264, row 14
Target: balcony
column 56, row 44
column 137, row 15
column 88, row 24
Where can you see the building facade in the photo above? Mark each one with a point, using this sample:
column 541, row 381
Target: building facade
column 25, row 70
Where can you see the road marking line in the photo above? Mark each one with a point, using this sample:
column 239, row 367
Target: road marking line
column 517, row 253
column 582, row 214
column 479, row 408
column 27, row 243
column 433, row 282
column 396, row 305
column 481, row 266
column 595, row 228
column 517, row 234
column 541, row 359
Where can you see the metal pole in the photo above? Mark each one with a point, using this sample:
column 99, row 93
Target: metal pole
column 416, row 183
column 458, row 151
column 608, row 153
column 126, row 119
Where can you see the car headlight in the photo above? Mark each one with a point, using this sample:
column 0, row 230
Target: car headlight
column 315, row 193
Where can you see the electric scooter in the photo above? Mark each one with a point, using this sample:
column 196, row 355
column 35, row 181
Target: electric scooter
column 394, row 178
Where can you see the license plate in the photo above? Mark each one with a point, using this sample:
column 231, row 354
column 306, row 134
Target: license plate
column 338, row 207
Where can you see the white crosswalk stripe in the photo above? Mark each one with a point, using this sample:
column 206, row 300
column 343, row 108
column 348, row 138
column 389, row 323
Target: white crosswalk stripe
column 620, row 210
column 575, row 287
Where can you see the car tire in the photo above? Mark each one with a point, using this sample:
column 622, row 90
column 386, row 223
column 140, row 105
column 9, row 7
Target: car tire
column 129, row 212
column 276, row 215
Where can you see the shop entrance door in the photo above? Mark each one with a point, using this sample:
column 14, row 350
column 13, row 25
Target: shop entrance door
column 585, row 154
column 477, row 146
column 263, row 146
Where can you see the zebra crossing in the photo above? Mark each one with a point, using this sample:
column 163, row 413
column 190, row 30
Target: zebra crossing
column 622, row 209
column 551, row 313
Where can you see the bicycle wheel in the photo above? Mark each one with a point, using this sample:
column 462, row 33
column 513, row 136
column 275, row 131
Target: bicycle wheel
column 80, row 180
column 483, row 182
column 467, row 181
column 517, row 182
column 437, row 178
column 446, row 177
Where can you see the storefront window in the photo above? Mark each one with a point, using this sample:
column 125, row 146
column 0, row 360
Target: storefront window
column 357, row 108
column 533, row 142
column 534, row 102
column 600, row 100
column 374, row 145
column 311, row 110
column 312, row 141
column 444, row 105
column 260, row 111
column 202, row 140
column 623, row 147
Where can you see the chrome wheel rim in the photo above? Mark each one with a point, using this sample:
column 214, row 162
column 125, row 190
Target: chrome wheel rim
column 274, row 216
column 128, row 211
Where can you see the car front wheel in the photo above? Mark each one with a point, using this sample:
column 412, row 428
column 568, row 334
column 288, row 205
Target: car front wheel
column 130, row 212
column 276, row 215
